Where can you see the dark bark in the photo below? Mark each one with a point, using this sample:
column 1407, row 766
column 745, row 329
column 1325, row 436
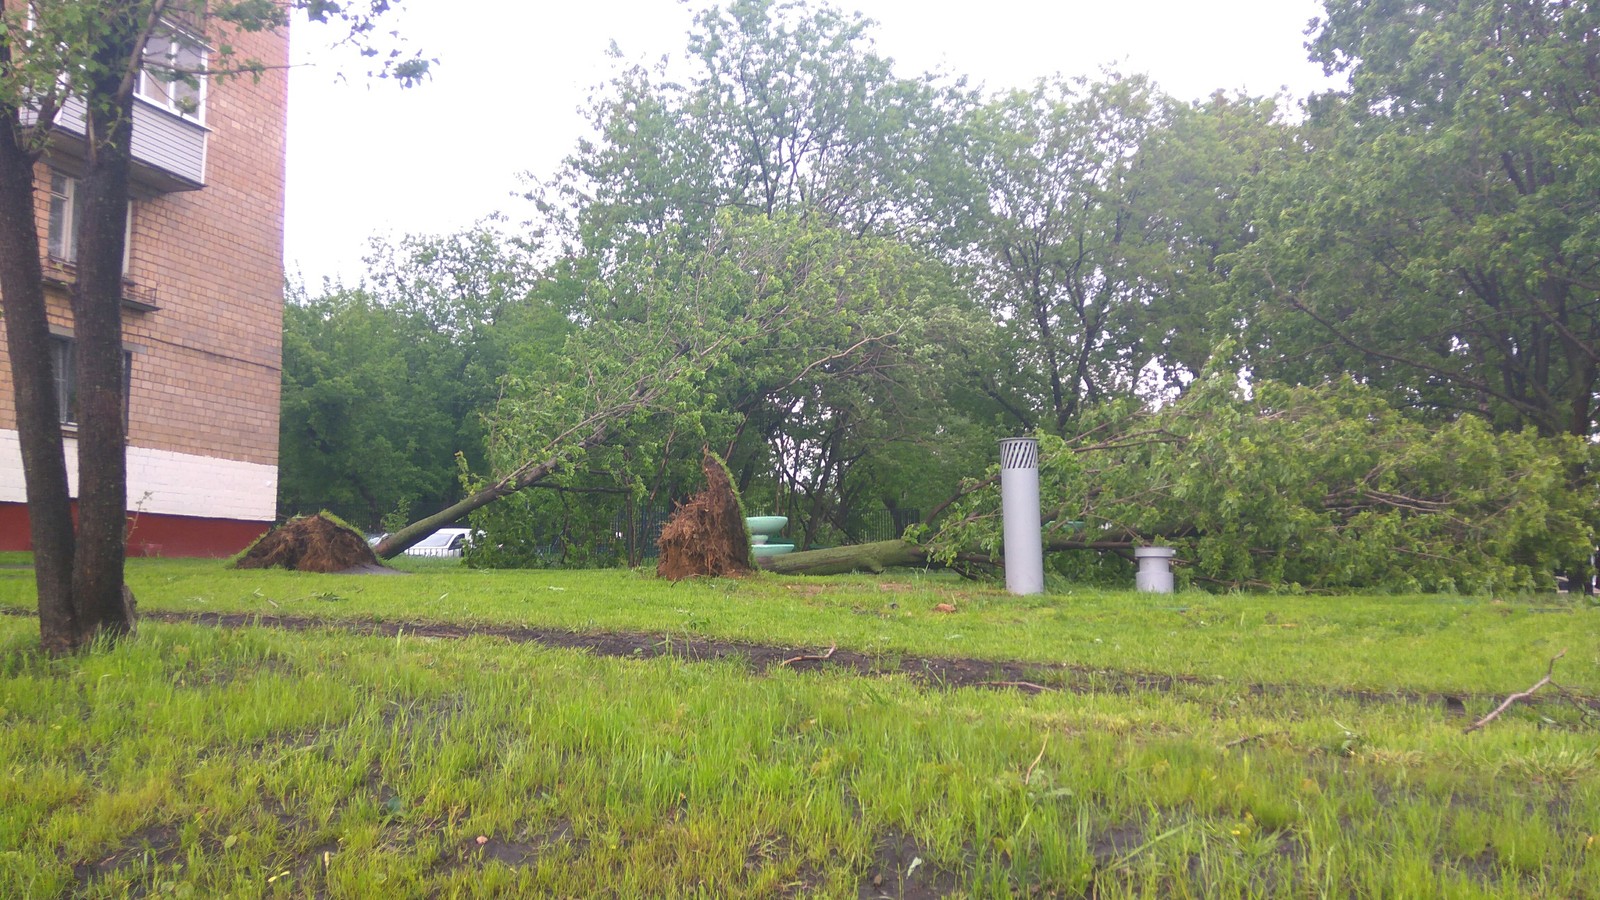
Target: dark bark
column 44, row 464
column 79, row 574
column 97, row 572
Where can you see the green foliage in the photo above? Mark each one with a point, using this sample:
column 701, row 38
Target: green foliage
column 785, row 114
column 537, row 529
column 789, row 341
column 784, row 107
column 850, row 282
column 1316, row 488
column 384, row 385
column 1438, row 234
column 1102, row 217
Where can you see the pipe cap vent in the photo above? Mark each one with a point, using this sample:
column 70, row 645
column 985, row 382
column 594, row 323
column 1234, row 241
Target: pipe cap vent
column 1019, row 453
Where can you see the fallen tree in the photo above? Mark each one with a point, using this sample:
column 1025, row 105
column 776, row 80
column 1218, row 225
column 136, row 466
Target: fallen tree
column 879, row 555
column 605, row 404
column 1319, row 488
column 769, row 311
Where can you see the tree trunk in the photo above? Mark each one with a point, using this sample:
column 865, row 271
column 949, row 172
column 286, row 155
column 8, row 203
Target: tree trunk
column 44, row 465
column 79, row 575
column 880, row 555
column 97, row 571
column 873, row 557
column 527, row 476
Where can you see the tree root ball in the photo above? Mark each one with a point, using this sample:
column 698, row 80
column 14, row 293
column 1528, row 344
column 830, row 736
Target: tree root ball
column 309, row 544
column 706, row 535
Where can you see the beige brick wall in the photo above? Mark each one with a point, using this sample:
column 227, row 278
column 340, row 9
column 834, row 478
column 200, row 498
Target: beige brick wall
column 206, row 363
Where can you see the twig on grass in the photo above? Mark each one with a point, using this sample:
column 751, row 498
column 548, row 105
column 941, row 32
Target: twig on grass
column 803, row 658
column 1027, row 685
column 1028, row 776
column 1588, row 710
column 1248, row 738
column 1520, row 695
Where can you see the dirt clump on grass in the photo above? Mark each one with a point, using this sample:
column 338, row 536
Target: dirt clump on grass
column 310, row 544
column 706, row 535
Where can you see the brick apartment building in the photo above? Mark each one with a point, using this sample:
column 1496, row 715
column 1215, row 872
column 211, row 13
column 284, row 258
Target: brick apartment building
column 202, row 308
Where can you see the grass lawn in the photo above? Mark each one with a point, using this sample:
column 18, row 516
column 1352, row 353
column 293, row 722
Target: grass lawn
column 202, row 761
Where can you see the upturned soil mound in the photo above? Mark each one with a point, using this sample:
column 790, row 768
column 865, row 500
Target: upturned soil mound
column 706, row 535
column 309, row 544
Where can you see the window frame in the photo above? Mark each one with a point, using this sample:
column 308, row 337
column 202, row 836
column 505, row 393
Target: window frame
column 162, row 92
column 61, row 235
column 61, row 242
column 63, row 365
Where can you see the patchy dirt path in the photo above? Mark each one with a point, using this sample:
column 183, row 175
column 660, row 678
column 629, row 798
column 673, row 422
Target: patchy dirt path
column 931, row 671
column 941, row 672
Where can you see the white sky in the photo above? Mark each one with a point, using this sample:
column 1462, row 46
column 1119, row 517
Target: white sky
column 368, row 159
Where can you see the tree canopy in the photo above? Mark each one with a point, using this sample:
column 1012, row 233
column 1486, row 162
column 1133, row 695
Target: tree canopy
column 1348, row 344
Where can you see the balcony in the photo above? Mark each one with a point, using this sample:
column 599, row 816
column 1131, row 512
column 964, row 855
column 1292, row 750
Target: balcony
column 169, row 150
column 135, row 297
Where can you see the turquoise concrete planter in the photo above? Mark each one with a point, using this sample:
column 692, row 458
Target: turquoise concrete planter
column 767, row 525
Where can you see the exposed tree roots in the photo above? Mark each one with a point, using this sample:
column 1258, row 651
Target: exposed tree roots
column 309, row 544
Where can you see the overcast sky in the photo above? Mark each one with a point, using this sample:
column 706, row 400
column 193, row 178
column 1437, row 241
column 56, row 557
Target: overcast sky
column 371, row 160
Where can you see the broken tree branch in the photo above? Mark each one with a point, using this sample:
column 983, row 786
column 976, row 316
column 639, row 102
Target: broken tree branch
column 1521, row 695
column 804, row 658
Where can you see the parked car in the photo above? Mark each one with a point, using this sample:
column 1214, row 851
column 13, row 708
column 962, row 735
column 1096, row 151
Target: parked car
column 446, row 543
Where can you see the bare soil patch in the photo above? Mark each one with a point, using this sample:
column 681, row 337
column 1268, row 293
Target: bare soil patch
column 159, row 841
column 901, row 869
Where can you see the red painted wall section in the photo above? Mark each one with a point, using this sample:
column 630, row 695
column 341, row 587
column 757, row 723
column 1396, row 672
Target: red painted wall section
column 152, row 535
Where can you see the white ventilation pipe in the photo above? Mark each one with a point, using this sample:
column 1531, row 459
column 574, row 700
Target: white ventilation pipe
column 1019, row 500
column 1155, row 569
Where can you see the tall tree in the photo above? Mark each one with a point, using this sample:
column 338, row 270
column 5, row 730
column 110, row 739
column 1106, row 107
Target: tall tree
column 786, row 107
column 1055, row 237
column 93, row 50
column 1442, row 239
column 784, row 111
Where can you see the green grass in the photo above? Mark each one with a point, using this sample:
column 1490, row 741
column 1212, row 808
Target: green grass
column 1417, row 643
column 195, row 761
column 206, row 762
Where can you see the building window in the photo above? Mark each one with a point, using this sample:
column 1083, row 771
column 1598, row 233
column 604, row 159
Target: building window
column 172, row 77
column 63, row 217
column 63, row 355
column 66, row 208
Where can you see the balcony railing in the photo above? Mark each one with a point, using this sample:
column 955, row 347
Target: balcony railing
column 137, row 297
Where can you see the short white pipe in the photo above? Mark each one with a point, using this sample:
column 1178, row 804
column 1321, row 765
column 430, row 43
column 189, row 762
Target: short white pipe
column 1019, row 500
column 1155, row 569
